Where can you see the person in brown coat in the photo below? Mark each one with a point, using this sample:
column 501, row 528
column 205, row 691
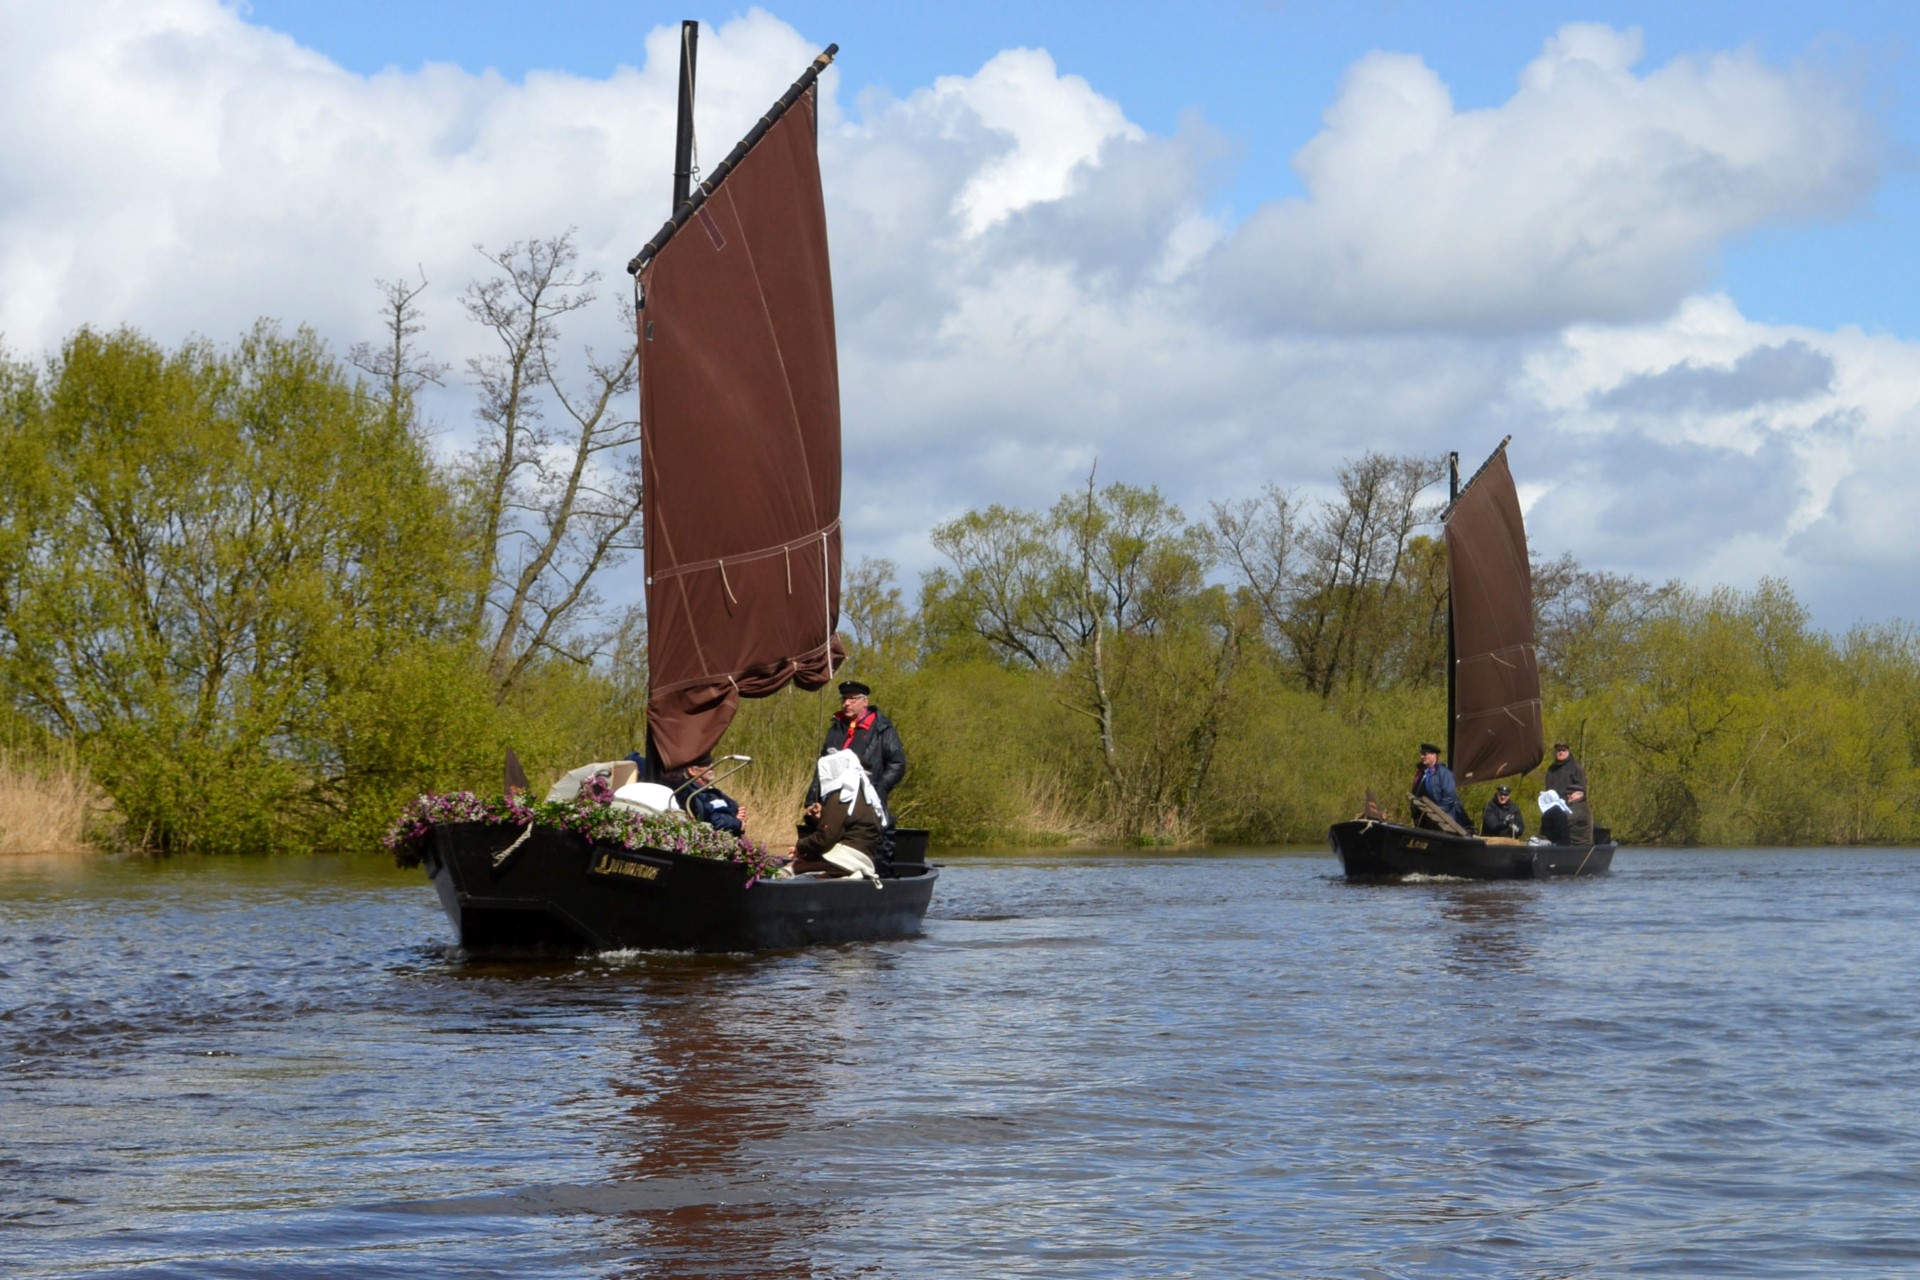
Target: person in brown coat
column 842, row 830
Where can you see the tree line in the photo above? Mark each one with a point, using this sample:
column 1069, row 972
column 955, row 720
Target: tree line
column 241, row 585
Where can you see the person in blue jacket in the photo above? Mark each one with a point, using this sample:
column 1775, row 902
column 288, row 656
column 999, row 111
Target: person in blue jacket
column 699, row 797
column 1434, row 781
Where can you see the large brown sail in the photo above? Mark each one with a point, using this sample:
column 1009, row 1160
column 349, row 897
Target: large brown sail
column 740, row 439
column 1496, row 692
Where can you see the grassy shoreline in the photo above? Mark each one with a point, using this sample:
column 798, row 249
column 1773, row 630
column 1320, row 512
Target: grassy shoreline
column 48, row 805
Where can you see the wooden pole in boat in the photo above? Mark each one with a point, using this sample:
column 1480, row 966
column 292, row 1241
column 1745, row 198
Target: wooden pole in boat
column 1453, row 496
column 682, row 182
column 683, row 135
column 698, row 195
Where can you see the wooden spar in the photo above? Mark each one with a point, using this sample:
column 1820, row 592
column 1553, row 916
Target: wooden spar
column 683, row 132
column 686, row 211
column 1453, row 496
column 1458, row 489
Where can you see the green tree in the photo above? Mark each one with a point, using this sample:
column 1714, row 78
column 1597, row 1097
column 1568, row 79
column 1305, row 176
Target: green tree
column 1106, row 595
column 233, row 581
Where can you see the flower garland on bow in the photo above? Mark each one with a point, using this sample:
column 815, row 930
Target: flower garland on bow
column 590, row 815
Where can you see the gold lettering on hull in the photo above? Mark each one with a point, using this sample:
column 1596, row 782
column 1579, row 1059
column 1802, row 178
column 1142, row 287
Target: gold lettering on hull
column 1416, row 844
column 608, row 864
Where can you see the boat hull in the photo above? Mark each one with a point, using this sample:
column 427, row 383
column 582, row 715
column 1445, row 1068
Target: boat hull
column 559, row 891
column 1372, row 850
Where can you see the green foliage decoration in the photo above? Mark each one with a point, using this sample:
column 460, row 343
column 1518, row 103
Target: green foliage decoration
column 590, row 814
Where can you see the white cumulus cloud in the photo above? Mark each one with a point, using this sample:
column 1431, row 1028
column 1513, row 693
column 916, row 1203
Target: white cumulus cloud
column 1594, row 193
column 1028, row 283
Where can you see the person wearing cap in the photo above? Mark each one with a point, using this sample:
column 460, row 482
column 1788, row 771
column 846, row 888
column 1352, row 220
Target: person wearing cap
column 696, row 794
column 1434, row 782
column 1502, row 817
column 1567, row 777
column 865, row 730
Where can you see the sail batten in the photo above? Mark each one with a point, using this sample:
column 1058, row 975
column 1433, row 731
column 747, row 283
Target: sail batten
column 1497, row 729
column 740, row 443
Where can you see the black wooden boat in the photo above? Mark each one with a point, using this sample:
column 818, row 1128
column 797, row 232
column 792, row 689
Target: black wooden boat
column 558, row 891
column 1374, row 850
column 1494, row 723
column 738, row 380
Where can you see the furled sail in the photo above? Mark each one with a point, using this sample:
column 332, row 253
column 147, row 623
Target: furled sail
column 740, row 439
column 1496, row 689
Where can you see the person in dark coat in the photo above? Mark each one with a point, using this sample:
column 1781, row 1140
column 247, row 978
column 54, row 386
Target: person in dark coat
column 696, row 794
column 1502, row 817
column 1434, row 782
column 1553, row 819
column 865, row 730
column 1567, row 777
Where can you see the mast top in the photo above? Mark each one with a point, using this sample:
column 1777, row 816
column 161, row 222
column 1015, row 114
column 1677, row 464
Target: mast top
column 707, row 187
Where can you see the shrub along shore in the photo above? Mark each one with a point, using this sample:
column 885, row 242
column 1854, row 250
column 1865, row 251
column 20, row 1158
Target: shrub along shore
column 248, row 609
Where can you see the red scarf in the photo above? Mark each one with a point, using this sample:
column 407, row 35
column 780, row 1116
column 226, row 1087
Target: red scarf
column 854, row 726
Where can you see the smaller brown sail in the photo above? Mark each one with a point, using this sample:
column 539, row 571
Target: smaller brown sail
column 740, row 438
column 1497, row 727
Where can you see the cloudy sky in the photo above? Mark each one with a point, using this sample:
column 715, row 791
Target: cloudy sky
column 1672, row 254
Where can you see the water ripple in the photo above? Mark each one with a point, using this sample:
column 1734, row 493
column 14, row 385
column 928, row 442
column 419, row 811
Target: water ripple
column 1089, row 1066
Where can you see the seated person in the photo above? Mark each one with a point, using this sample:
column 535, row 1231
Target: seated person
column 842, row 831
column 696, row 794
column 1502, row 817
column 1555, row 818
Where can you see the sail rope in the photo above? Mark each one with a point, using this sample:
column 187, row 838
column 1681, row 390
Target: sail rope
column 693, row 127
column 731, row 598
column 507, row 852
column 826, row 594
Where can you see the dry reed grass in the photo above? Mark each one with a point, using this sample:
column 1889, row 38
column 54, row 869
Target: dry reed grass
column 770, row 796
column 44, row 804
column 1031, row 810
column 1041, row 810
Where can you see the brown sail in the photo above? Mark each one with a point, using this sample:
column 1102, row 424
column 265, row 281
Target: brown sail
column 1496, row 679
column 740, row 437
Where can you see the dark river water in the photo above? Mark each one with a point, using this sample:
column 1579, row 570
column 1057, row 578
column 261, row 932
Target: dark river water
column 1706, row 1064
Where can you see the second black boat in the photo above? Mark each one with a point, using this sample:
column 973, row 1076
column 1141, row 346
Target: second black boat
column 1494, row 721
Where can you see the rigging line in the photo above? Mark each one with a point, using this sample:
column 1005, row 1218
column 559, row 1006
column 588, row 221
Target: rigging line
column 731, row 599
column 693, row 127
column 786, row 554
column 826, row 597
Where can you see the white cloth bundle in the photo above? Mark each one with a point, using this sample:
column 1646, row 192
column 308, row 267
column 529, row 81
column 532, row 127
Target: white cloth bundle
column 850, row 859
column 1551, row 800
column 841, row 773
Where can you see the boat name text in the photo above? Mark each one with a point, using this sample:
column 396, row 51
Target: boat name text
column 611, row 865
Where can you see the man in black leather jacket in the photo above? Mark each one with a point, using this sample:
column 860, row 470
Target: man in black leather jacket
column 1502, row 817
column 865, row 730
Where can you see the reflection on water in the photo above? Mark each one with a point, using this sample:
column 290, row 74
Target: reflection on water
column 1089, row 1066
column 1493, row 930
column 716, row 1078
